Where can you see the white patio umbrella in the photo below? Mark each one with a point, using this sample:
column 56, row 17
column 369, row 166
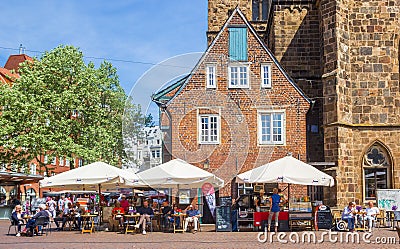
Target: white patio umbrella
column 90, row 176
column 287, row 170
column 178, row 173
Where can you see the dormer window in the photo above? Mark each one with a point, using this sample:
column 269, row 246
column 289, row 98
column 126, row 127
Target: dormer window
column 211, row 77
column 238, row 43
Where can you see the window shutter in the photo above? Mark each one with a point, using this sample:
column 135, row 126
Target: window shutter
column 238, row 44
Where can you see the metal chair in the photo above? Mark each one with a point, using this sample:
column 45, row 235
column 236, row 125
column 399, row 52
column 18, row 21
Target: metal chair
column 13, row 224
column 42, row 223
column 396, row 219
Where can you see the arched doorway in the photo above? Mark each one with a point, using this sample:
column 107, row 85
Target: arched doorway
column 377, row 168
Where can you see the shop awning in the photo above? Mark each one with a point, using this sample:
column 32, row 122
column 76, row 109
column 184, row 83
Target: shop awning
column 18, row 178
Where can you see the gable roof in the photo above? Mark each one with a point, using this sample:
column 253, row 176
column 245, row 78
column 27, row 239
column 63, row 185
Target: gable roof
column 252, row 30
column 6, row 76
column 14, row 61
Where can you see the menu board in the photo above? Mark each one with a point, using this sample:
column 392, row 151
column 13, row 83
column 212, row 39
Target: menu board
column 223, row 219
column 388, row 199
column 225, row 201
column 323, row 217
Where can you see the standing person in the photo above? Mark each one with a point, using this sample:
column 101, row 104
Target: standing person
column 60, row 204
column 348, row 215
column 52, row 206
column 371, row 213
column 124, row 203
column 138, row 201
column 17, row 218
column 145, row 215
column 274, row 201
column 234, row 214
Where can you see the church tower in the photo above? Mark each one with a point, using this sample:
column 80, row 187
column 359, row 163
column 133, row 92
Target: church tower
column 256, row 11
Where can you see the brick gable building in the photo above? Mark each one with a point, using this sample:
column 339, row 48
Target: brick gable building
column 238, row 109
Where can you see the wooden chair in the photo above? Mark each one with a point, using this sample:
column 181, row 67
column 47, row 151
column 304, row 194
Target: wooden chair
column 336, row 215
column 381, row 218
column 191, row 224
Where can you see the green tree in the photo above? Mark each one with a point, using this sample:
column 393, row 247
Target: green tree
column 61, row 106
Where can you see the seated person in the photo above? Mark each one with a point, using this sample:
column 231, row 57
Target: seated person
column 166, row 211
column 79, row 211
column 155, row 207
column 177, row 219
column 30, row 225
column 64, row 216
column 145, row 215
column 193, row 216
column 17, row 218
column 118, row 212
column 348, row 215
column 371, row 213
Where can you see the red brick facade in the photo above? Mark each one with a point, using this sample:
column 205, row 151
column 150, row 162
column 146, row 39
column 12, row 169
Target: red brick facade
column 238, row 109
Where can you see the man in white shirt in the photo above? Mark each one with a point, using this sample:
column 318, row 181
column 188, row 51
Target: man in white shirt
column 371, row 213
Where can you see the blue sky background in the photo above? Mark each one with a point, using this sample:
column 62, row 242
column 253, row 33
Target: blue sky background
column 143, row 31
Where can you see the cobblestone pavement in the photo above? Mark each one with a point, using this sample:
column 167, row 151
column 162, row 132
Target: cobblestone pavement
column 207, row 238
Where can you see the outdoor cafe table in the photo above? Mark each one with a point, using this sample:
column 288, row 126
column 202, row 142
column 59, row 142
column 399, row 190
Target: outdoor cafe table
column 359, row 223
column 131, row 220
column 88, row 223
column 182, row 217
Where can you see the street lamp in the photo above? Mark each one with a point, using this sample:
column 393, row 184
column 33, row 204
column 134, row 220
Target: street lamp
column 206, row 164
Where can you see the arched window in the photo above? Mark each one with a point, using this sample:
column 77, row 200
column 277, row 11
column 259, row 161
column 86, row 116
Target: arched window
column 377, row 170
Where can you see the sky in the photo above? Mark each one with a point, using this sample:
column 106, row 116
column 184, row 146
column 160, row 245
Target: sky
column 133, row 35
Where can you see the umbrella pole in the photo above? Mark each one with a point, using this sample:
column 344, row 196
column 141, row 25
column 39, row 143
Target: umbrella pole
column 100, row 214
column 289, row 196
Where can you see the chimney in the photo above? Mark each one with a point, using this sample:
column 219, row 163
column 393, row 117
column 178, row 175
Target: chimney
column 21, row 49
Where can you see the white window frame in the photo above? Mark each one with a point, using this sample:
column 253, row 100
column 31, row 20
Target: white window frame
column 61, row 160
column 238, row 75
column 67, row 162
column 260, row 127
column 32, row 169
column 80, row 162
column 54, row 161
column 211, row 79
column 201, row 136
column 266, row 82
column 46, row 159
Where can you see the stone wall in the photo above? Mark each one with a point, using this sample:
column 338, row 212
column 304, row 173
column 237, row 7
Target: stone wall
column 360, row 94
column 295, row 40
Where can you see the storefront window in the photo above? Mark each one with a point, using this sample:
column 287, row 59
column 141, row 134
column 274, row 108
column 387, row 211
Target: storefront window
column 376, row 171
column 3, row 200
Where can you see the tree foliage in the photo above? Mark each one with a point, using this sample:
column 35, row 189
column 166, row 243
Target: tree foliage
column 61, row 106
